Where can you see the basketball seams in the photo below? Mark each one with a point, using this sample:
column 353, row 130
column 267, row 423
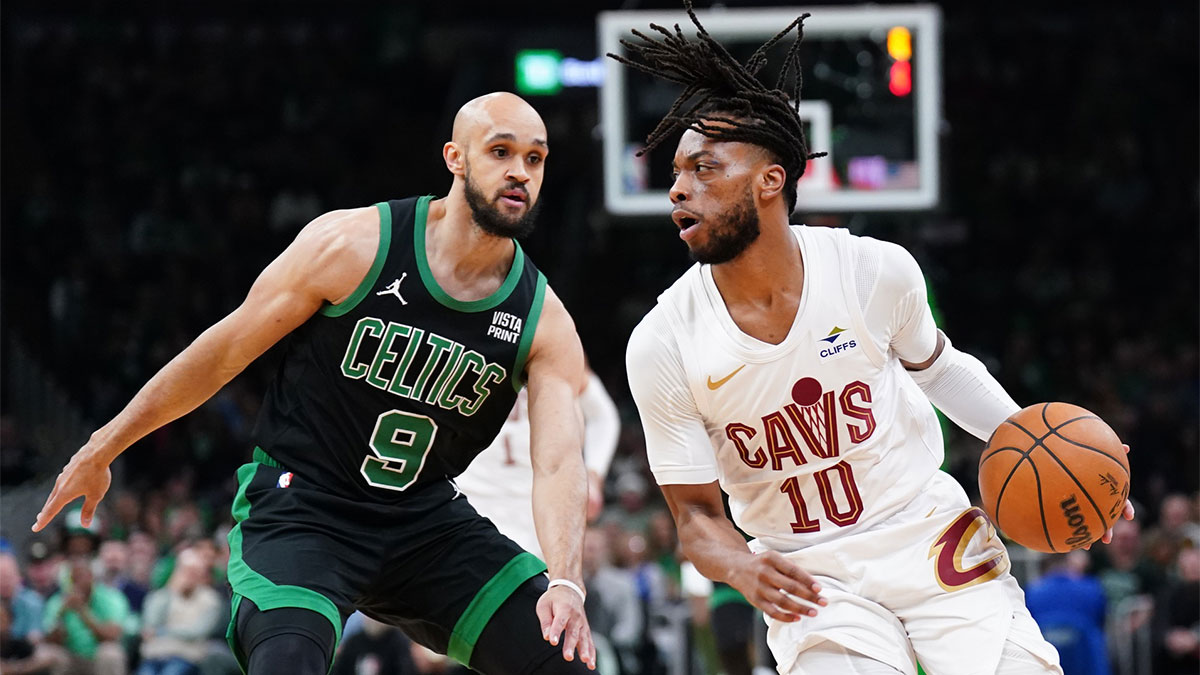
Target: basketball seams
column 1054, row 430
column 1085, row 446
column 1041, row 502
column 995, row 451
column 1086, row 493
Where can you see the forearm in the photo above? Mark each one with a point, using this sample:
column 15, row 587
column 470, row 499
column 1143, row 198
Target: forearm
column 960, row 386
column 713, row 545
column 105, row 631
column 559, row 505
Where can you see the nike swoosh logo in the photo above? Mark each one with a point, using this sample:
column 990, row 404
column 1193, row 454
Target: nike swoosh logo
column 717, row 385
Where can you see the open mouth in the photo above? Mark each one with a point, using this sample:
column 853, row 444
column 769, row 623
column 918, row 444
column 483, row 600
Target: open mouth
column 685, row 221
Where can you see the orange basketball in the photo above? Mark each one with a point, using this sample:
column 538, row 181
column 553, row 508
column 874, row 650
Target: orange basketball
column 1054, row 477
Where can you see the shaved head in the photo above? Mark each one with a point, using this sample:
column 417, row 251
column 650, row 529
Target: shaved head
column 496, row 153
column 499, row 112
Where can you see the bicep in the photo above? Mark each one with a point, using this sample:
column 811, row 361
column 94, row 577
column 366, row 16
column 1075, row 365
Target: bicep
column 899, row 306
column 324, row 264
column 556, row 377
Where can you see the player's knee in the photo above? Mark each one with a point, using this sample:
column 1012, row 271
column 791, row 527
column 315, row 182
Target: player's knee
column 288, row 654
column 287, row 641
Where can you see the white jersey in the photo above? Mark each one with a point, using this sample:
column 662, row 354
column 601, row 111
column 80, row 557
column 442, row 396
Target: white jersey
column 499, row 481
column 829, row 452
column 814, row 438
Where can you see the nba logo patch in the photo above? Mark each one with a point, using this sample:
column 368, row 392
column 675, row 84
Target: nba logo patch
column 285, row 479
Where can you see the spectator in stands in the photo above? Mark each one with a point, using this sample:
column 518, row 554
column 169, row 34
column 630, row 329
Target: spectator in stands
column 1175, row 531
column 44, row 565
column 1179, row 612
column 613, row 610
column 377, row 649
column 179, row 619
column 24, row 604
column 18, row 655
column 112, row 569
column 1124, row 572
column 1068, row 605
column 88, row 620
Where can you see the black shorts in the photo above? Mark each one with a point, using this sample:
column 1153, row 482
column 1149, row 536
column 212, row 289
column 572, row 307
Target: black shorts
column 430, row 564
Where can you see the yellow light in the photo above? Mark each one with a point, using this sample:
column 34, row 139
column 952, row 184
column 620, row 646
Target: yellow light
column 899, row 43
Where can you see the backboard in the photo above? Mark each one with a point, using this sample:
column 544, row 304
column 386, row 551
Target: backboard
column 871, row 99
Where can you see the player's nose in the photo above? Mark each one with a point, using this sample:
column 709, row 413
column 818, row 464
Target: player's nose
column 678, row 192
column 517, row 172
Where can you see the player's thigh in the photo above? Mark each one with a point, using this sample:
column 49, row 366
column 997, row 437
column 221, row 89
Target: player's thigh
column 1026, row 652
column 445, row 592
column 830, row 657
column 512, row 643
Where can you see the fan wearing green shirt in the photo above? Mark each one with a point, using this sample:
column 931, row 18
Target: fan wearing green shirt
column 88, row 620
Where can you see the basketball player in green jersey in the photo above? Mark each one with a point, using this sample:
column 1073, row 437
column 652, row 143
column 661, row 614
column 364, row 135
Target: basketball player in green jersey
column 413, row 324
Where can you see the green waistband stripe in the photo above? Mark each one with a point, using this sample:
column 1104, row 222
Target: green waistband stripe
column 262, row 457
column 368, row 282
column 535, row 313
column 485, row 603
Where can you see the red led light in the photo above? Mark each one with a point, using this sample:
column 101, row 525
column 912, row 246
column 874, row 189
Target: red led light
column 900, row 78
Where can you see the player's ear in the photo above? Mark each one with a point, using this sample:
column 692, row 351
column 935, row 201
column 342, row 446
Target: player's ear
column 454, row 156
column 771, row 180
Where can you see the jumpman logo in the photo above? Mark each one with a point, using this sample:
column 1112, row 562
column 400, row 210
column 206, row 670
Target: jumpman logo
column 394, row 289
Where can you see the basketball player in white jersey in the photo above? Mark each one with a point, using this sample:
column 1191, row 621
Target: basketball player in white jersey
column 499, row 481
column 793, row 368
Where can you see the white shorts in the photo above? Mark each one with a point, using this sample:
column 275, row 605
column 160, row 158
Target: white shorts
column 931, row 583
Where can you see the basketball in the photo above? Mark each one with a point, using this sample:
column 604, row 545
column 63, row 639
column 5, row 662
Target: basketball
column 1053, row 477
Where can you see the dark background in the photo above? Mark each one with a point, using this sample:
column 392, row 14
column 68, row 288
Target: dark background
column 157, row 155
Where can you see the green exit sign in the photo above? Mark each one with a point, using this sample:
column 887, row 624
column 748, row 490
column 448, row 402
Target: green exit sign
column 538, row 71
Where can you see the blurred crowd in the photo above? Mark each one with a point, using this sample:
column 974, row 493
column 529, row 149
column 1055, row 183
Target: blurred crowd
column 154, row 164
column 143, row 590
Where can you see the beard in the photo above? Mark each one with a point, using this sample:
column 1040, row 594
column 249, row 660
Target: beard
column 729, row 233
column 491, row 219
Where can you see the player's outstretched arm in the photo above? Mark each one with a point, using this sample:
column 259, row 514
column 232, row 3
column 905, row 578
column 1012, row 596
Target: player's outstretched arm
column 771, row 582
column 325, row 263
column 556, row 377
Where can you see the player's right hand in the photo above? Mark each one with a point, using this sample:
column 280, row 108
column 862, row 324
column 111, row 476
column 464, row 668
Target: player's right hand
column 560, row 612
column 777, row 586
column 87, row 476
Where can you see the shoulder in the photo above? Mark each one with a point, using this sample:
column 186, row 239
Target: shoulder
column 30, row 598
column 344, row 231
column 652, row 335
column 109, row 602
column 684, row 290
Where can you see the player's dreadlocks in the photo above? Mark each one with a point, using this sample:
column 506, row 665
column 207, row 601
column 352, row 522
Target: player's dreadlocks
column 727, row 92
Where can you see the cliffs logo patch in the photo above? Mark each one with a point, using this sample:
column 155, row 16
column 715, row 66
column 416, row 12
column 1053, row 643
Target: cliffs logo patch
column 838, row 343
column 285, row 479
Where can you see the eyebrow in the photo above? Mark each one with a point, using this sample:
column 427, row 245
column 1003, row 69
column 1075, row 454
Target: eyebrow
column 513, row 137
column 695, row 156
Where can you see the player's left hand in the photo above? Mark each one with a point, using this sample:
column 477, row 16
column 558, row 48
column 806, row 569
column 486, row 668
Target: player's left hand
column 560, row 611
column 1127, row 514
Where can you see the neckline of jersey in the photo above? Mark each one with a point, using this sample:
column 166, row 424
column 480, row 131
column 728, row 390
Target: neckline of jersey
column 746, row 346
column 445, row 299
